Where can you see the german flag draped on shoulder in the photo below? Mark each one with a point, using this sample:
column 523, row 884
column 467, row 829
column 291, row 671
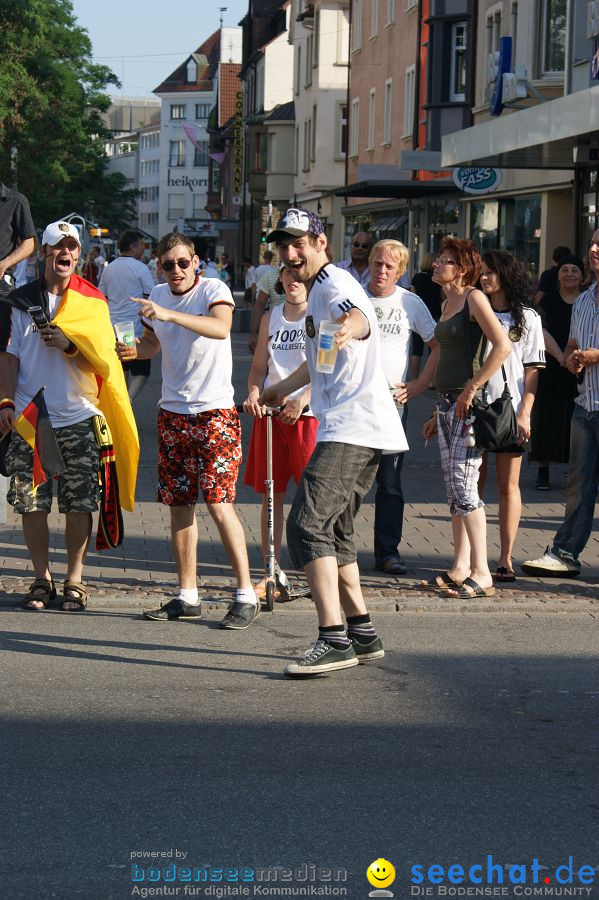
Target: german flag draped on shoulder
column 83, row 317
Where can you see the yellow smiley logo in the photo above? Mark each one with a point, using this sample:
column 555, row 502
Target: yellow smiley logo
column 380, row 873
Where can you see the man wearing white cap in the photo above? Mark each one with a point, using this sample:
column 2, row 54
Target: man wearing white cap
column 35, row 355
column 357, row 421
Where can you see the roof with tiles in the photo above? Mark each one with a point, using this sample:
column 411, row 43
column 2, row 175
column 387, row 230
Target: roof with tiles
column 228, row 88
column 206, row 56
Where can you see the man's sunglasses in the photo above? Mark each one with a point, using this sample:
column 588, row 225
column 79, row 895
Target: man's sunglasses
column 170, row 264
column 363, row 246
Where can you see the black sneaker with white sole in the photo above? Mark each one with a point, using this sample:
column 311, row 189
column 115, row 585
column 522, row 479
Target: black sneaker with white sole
column 372, row 650
column 173, row 611
column 240, row 615
column 320, row 659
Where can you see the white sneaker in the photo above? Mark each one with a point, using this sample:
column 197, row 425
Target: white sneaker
column 552, row 565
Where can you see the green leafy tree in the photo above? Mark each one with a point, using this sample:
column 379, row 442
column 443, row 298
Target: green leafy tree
column 51, row 99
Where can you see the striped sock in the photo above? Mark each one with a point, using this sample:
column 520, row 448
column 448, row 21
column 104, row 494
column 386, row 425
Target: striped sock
column 334, row 635
column 361, row 629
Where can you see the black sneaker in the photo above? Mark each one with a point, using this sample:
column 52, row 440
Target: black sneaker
column 240, row 615
column 392, row 566
column 173, row 611
column 542, row 482
column 372, row 650
column 321, row 659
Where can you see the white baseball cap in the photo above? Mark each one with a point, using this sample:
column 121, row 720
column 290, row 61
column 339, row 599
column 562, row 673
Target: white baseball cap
column 56, row 231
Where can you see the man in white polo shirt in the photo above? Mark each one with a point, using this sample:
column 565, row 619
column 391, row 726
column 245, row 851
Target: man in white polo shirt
column 357, row 420
column 199, row 434
column 399, row 313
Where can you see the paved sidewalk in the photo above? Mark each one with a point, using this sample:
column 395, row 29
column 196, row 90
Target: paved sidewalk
column 142, row 570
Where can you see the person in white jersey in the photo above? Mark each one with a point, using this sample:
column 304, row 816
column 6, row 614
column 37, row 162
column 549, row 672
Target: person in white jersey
column 125, row 277
column 357, row 420
column 400, row 314
column 281, row 349
column 199, row 435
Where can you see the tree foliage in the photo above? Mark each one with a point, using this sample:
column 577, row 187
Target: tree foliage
column 51, row 100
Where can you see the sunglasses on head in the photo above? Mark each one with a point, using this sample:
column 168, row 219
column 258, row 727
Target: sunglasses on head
column 170, row 264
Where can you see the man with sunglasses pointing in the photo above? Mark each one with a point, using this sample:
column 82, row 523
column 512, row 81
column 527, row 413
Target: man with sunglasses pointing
column 199, row 434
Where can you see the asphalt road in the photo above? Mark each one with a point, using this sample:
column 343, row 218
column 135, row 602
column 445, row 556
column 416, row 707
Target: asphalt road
column 475, row 735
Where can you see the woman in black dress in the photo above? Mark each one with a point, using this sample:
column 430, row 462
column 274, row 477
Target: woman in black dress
column 557, row 386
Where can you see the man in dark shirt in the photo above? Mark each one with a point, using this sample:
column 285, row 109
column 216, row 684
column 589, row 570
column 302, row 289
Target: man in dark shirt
column 17, row 234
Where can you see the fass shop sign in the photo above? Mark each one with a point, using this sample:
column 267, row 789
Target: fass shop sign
column 476, row 180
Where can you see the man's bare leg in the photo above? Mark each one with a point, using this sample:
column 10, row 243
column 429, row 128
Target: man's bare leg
column 37, row 540
column 323, row 580
column 184, row 536
column 232, row 535
column 350, row 591
column 78, row 529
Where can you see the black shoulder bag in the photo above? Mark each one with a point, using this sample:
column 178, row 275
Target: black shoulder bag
column 495, row 426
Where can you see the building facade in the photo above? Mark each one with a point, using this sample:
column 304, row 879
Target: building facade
column 148, row 182
column 319, row 36
column 188, row 96
column 409, row 84
column 536, row 122
column 266, row 82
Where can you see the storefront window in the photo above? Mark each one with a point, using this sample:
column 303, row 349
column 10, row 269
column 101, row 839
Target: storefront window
column 485, row 225
column 510, row 224
column 527, row 232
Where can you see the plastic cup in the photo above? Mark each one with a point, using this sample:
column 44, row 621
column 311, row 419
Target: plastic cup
column 327, row 348
column 125, row 333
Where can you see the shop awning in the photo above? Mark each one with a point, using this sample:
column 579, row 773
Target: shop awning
column 540, row 137
column 397, row 189
column 392, row 223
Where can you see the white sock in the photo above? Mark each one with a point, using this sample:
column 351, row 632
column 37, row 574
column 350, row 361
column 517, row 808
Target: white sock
column 189, row 595
column 246, row 595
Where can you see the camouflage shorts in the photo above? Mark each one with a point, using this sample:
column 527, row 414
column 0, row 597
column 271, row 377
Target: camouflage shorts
column 78, row 487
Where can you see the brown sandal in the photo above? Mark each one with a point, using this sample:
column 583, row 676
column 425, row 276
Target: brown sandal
column 41, row 591
column 74, row 592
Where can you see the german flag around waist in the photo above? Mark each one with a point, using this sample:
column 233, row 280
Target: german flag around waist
column 83, row 317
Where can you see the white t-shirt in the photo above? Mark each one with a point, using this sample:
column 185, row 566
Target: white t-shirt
column 528, row 351
column 353, row 404
column 70, row 393
column 196, row 370
column 286, row 349
column 398, row 316
column 123, row 278
column 249, row 277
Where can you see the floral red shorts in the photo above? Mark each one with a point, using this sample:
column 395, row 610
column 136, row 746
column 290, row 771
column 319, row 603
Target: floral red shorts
column 205, row 447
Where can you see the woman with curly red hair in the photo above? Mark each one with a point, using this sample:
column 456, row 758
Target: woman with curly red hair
column 466, row 316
